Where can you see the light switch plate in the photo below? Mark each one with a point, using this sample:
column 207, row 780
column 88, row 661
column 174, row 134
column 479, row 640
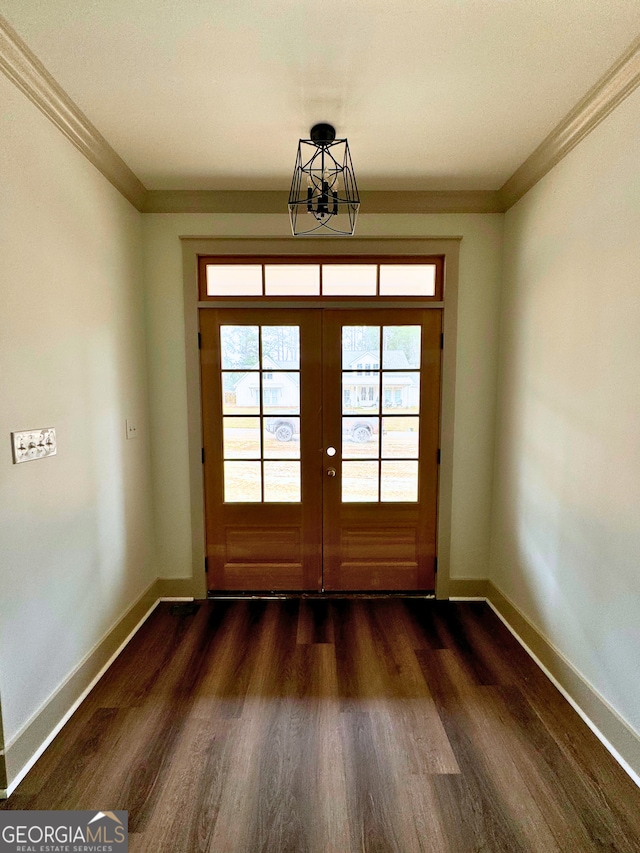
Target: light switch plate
column 33, row 444
column 132, row 428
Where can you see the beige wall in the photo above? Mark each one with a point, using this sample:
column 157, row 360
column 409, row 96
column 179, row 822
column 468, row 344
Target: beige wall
column 75, row 529
column 480, row 260
column 566, row 515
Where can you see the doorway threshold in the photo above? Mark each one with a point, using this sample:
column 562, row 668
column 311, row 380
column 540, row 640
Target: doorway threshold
column 269, row 595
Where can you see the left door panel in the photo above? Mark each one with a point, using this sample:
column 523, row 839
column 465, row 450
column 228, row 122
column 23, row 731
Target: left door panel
column 263, row 458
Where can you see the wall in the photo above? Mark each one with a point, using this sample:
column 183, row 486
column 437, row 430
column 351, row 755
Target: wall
column 480, row 260
column 566, row 515
column 75, row 529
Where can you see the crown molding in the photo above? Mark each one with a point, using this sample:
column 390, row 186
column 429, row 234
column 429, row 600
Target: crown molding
column 22, row 67
column 618, row 82
column 275, row 201
column 215, row 201
column 431, row 201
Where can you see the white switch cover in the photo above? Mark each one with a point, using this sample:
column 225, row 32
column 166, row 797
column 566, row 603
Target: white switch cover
column 132, row 428
column 33, row 444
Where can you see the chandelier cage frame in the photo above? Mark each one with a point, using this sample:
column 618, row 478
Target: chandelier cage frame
column 323, row 186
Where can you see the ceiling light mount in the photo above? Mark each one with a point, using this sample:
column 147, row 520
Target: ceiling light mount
column 323, row 134
column 324, row 196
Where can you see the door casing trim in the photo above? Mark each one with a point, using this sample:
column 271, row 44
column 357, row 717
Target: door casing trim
column 192, row 247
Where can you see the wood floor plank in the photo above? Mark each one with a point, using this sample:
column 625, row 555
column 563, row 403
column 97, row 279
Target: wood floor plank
column 308, row 726
column 301, row 765
column 157, row 642
column 347, row 660
column 188, row 805
column 242, row 795
column 511, row 822
column 421, row 809
column 315, row 622
column 471, row 655
column 224, row 685
column 560, row 795
column 64, row 775
column 412, row 718
column 513, row 778
column 421, row 624
column 600, row 790
column 327, row 773
column 470, row 820
column 371, row 797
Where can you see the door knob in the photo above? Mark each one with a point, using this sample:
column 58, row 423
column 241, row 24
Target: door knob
column 331, row 472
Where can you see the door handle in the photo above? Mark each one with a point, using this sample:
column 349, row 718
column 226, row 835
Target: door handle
column 331, row 472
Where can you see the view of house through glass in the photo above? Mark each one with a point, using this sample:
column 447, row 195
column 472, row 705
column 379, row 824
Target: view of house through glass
column 261, row 413
column 380, row 413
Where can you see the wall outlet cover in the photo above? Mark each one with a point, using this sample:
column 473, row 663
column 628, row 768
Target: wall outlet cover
column 33, row 444
column 132, row 428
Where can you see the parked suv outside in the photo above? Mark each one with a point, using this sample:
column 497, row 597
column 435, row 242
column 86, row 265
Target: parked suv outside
column 360, row 429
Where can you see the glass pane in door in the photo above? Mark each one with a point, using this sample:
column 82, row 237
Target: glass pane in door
column 372, row 386
column 239, row 347
column 399, row 481
column 242, row 482
column 400, row 438
column 280, row 392
column 261, row 413
column 401, row 392
column 360, row 438
column 281, row 482
column 360, row 393
column 401, row 347
column 281, row 439
column 360, row 482
column 281, row 347
column 241, row 438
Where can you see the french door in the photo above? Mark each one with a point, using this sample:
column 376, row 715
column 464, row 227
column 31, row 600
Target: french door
column 320, row 435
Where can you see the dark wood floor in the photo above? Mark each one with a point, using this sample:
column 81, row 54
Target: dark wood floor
column 332, row 727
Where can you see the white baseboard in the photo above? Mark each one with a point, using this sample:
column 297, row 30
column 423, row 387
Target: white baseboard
column 176, row 598
column 24, row 749
column 5, row 793
column 616, row 735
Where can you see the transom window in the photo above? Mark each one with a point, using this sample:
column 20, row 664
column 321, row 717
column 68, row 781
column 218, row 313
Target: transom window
column 228, row 277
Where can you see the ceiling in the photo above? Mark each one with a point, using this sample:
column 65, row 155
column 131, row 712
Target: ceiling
column 432, row 94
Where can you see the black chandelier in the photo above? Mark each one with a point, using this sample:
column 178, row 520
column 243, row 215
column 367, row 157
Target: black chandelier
column 324, row 197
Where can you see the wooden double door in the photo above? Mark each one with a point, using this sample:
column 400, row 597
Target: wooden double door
column 320, row 436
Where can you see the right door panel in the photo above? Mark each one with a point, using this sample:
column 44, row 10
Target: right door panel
column 382, row 413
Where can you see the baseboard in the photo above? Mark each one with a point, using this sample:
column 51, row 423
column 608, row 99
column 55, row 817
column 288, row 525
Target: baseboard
column 604, row 721
column 463, row 589
column 175, row 588
column 21, row 753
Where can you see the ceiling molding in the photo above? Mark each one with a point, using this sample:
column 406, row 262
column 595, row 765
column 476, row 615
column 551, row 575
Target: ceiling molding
column 619, row 82
column 215, row 201
column 22, row 67
column 31, row 77
column 275, row 201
